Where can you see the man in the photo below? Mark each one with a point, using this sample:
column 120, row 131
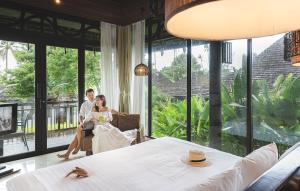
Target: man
column 87, row 106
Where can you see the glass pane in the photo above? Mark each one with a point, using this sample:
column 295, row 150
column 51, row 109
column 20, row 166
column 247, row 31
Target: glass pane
column 169, row 89
column 62, row 99
column 234, row 100
column 17, row 81
column 93, row 71
column 200, row 92
column 276, row 94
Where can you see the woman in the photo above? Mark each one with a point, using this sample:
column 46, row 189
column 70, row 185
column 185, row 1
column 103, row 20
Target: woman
column 107, row 137
column 99, row 115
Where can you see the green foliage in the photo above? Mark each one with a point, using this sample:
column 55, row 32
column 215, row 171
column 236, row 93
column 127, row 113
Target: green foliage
column 200, row 120
column 276, row 106
column 61, row 73
column 279, row 107
column 170, row 120
column 92, row 70
column 19, row 82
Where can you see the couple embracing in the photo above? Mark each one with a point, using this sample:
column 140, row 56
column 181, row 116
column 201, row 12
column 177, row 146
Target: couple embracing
column 93, row 113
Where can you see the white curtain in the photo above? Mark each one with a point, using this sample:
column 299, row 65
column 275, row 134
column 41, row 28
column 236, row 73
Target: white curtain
column 138, row 82
column 109, row 68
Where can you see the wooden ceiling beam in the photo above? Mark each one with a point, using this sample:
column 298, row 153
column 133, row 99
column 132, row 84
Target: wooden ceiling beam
column 120, row 12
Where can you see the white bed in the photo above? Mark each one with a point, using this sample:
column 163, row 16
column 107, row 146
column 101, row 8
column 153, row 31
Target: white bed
column 152, row 165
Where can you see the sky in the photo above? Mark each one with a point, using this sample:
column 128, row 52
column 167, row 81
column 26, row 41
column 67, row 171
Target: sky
column 239, row 48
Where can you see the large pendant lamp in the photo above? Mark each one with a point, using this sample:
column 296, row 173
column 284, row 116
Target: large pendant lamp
column 230, row 19
column 141, row 70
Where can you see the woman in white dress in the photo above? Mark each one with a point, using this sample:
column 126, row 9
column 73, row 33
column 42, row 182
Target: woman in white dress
column 100, row 114
column 106, row 136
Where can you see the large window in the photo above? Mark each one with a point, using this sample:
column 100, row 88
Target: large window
column 234, row 100
column 169, row 72
column 17, row 98
column 276, row 93
column 200, row 92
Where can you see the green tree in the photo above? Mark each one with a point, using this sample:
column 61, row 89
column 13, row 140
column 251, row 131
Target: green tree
column 5, row 48
column 178, row 68
column 92, row 70
column 61, row 72
column 19, row 82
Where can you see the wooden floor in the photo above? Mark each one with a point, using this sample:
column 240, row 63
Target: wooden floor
column 17, row 146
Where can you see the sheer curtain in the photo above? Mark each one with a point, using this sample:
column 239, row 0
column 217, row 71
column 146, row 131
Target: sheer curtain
column 138, row 82
column 124, row 59
column 122, row 50
column 109, row 68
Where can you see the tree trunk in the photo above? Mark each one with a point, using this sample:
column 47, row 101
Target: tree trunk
column 6, row 59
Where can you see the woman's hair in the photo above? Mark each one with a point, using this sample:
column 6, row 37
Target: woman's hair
column 101, row 97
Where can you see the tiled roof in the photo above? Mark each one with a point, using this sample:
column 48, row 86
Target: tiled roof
column 268, row 65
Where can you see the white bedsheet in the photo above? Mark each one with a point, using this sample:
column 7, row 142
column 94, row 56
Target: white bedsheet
column 153, row 165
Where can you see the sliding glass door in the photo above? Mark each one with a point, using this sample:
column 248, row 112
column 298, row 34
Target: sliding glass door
column 17, row 98
column 276, row 94
column 62, row 95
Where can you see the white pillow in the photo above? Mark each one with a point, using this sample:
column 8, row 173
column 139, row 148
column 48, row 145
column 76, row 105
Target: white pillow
column 229, row 180
column 257, row 162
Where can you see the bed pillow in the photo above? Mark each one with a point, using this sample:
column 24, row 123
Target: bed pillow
column 230, row 179
column 257, row 162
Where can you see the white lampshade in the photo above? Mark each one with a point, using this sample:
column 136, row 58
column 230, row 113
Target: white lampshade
column 230, row 19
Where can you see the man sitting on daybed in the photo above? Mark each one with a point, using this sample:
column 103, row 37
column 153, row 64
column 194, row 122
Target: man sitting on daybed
column 85, row 109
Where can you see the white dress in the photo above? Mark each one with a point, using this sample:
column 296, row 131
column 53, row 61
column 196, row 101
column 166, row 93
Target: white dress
column 106, row 136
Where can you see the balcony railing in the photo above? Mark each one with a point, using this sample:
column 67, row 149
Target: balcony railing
column 61, row 115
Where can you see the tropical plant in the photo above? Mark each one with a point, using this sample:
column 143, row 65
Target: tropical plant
column 5, row 48
column 276, row 109
column 279, row 107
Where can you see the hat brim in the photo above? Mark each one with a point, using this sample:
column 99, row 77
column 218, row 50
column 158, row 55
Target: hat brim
column 195, row 164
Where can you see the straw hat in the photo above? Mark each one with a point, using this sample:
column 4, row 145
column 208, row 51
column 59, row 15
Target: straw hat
column 196, row 158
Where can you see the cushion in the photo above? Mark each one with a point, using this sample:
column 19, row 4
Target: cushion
column 129, row 122
column 257, row 162
column 230, row 179
column 115, row 121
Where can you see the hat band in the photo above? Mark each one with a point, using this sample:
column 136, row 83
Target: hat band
column 198, row 160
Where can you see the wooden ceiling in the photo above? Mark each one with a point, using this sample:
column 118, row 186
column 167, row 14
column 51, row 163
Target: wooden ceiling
column 121, row 12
